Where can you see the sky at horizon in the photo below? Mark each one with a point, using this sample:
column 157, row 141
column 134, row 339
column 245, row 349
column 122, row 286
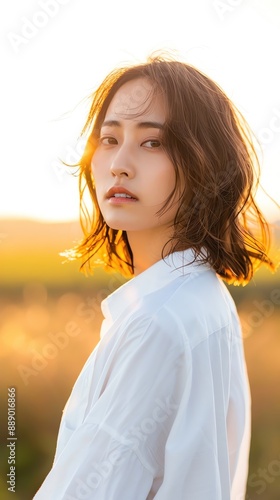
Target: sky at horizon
column 55, row 52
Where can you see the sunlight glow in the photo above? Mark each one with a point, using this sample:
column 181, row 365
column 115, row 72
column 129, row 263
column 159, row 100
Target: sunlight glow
column 56, row 52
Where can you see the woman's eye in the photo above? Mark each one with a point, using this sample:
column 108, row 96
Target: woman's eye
column 152, row 143
column 108, row 141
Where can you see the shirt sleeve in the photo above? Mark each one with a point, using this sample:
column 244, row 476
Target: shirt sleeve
column 165, row 416
column 117, row 452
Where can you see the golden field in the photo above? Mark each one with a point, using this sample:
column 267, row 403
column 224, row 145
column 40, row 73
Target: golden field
column 49, row 323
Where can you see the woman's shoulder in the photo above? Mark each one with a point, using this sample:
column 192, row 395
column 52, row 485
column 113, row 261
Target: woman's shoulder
column 193, row 294
column 189, row 310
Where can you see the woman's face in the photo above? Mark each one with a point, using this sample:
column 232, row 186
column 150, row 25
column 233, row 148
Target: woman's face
column 133, row 174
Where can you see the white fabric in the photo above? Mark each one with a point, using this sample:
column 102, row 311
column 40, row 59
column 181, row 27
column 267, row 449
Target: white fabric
column 161, row 409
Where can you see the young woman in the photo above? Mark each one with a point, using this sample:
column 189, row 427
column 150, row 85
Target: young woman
column 161, row 409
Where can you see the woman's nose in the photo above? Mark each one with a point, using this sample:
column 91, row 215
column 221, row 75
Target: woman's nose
column 123, row 163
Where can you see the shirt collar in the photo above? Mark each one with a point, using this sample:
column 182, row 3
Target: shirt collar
column 155, row 277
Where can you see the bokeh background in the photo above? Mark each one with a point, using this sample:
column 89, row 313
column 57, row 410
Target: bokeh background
column 54, row 53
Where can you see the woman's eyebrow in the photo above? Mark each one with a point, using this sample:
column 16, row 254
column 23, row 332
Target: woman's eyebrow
column 146, row 124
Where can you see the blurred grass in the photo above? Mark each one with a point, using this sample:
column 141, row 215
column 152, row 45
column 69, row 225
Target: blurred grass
column 41, row 299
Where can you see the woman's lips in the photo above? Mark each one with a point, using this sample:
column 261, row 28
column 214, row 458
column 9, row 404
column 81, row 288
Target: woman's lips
column 120, row 200
column 119, row 195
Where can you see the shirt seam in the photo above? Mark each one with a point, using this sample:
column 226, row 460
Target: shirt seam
column 210, row 335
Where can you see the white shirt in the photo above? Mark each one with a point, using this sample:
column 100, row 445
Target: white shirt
column 161, row 409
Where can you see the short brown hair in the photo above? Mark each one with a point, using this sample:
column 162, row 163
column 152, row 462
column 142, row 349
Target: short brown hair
column 211, row 147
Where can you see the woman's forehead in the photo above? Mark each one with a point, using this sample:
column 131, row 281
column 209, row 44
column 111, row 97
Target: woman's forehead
column 136, row 97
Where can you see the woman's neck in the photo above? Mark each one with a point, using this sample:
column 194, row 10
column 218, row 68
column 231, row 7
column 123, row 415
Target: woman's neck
column 147, row 248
